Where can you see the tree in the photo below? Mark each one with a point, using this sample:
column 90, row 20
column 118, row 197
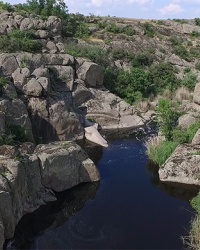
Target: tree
column 166, row 118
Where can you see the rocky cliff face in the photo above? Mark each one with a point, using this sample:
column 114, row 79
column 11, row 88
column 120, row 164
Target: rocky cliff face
column 46, row 97
column 28, row 181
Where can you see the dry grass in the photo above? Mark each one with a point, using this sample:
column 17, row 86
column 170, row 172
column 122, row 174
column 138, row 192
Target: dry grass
column 153, row 143
column 143, row 106
column 192, row 241
column 183, row 94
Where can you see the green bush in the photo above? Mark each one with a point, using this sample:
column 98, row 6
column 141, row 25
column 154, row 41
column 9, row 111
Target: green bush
column 167, row 118
column 118, row 53
column 191, row 131
column 142, row 60
column 18, row 40
column 94, row 53
column 148, row 29
column 197, row 65
column 180, row 136
column 197, row 21
column 189, row 80
column 163, row 152
column 162, row 76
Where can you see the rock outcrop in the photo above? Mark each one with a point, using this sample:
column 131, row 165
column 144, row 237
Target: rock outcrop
column 183, row 166
column 28, row 181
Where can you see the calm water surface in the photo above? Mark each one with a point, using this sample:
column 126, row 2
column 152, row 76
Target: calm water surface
column 128, row 209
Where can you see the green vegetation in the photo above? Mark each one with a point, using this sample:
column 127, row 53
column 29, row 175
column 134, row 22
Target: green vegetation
column 160, row 154
column 189, row 80
column 167, row 118
column 13, row 133
column 18, row 40
column 3, row 81
column 148, row 29
column 197, row 21
column 159, row 149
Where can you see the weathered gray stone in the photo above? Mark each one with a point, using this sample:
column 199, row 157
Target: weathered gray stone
column 196, row 96
column 65, row 122
column 67, row 75
column 2, row 122
column 19, row 79
column 81, row 94
column 26, row 24
column 9, row 91
column 44, row 82
column 8, row 64
column 42, row 34
column 54, row 24
column 51, row 47
column 33, row 88
column 16, row 114
column 91, row 74
column 62, row 163
column 196, row 139
column 111, row 112
column 40, row 72
column 60, row 47
column 186, row 120
column 183, row 166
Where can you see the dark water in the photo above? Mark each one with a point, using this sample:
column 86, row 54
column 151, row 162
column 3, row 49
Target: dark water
column 128, row 209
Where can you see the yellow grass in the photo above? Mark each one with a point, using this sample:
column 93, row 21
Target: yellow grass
column 183, row 94
column 193, row 240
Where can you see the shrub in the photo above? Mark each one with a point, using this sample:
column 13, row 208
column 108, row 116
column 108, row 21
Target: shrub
column 142, row 60
column 197, row 65
column 6, row 6
column 167, row 118
column 163, row 77
column 18, row 40
column 189, row 80
column 148, row 29
column 118, row 53
column 197, row 21
column 94, row 53
column 180, row 136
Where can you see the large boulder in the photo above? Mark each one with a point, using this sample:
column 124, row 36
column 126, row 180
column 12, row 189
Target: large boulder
column 91, row 74
column 64, row 164
column 196, row 96
column 186, row 120
column 111, row 112
column 16, row 114
column 65, row 121
column 183, row 166
column 8, row 64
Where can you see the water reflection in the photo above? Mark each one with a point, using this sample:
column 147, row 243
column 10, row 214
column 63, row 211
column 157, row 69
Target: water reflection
column 52, row 215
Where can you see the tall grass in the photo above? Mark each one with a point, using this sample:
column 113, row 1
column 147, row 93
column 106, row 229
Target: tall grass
column 160, row 150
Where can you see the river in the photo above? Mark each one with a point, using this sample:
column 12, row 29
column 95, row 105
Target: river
column 128, row 209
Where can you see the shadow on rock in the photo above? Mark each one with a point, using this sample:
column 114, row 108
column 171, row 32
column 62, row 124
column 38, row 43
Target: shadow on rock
column 52, row 215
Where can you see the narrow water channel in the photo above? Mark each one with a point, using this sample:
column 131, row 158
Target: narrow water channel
column 128, row 209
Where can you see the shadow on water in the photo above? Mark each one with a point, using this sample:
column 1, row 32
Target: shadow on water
column 52, row 215
column 181, row 191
